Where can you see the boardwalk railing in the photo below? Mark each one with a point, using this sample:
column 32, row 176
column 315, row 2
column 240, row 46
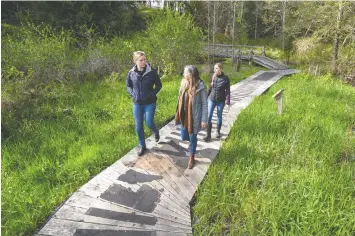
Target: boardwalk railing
column 228, row 50
column 256, row 54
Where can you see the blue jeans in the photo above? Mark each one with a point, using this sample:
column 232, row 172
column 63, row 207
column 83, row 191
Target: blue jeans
column 189, row 137
column 220, row 107
column 141, row 112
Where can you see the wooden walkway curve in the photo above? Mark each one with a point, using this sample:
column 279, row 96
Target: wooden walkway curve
column 150, row 195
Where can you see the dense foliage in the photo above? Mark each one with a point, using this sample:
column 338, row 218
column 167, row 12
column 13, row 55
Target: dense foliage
column 110, row 18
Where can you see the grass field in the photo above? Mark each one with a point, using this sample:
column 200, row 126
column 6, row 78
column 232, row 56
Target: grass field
column 71, row 137
column 285, row 175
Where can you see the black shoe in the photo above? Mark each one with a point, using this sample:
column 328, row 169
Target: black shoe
column 218, row 133
column 157, row 137
column 207, row 138
column 141, row 151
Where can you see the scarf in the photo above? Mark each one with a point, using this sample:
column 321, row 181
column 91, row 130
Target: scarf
column 184, row 112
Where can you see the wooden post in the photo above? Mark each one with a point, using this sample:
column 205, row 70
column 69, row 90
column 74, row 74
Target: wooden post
column 278, row 97
column 251, row 54
column 263, row 53
column 238, row 64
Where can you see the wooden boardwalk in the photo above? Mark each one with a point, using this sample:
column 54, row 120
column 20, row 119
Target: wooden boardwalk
column 150, row 195
column 244, row 53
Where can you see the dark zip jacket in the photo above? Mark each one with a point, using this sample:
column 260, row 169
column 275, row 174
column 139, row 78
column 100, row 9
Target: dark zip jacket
column 143, row 86
column 220, row 89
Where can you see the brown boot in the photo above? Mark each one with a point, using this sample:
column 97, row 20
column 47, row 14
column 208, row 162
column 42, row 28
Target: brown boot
column 191, row 161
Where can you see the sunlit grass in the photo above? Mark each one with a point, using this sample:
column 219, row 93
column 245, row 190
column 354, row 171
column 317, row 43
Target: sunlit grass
column 285, row 175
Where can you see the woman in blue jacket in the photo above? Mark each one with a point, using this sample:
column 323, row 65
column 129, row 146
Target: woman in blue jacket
column 143, row 84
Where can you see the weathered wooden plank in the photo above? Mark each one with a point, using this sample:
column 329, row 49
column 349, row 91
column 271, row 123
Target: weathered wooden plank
column 165, row 182
column 115, row 218
column 173, row 152
column 164, row 199
column 173, row 200
column 176, row 175
column 120, row 195
column 182, row 201
column 176, row 156
column 166, row 177
column 189, row 174
column 198, row 169
column 73, row 228
column 158, row 165
column 81, row 200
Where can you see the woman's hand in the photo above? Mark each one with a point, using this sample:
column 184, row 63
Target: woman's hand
column 227, row 107
column 203, row 125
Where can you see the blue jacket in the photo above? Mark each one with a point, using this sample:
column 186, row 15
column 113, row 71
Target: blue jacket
column 143, row 86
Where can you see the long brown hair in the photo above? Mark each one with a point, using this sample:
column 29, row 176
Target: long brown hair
column 192, row 85
column 220, row 66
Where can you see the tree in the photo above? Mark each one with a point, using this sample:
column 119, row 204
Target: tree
column 172, row 41
column 108, row 18
column 328, row 23
column 336, row 38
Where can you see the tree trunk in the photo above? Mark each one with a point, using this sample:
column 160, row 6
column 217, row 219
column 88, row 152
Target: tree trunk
column 208, row 35
column 233, row 30
column 241, row 20
column 214, row 28
column 241, row 13
column 283, row 24
column 336, row 39
column 256, row 22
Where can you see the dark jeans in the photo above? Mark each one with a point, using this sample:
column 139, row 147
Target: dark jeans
column 144, row 112
column 189, row 137
column 220, row 107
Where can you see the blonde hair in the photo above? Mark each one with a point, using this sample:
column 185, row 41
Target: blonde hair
column 137, row 54
column 220, row 66
column 191, row 85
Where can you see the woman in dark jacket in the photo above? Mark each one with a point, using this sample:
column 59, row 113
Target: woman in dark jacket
column 192, row 109
column 218, row 96
column 143, row 84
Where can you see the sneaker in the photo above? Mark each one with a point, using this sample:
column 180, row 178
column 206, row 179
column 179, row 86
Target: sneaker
column 141, row 151
column 157, row 137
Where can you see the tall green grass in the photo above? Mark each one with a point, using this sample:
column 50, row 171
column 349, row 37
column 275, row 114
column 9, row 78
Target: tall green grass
column 67, row 139
column 292, row 174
